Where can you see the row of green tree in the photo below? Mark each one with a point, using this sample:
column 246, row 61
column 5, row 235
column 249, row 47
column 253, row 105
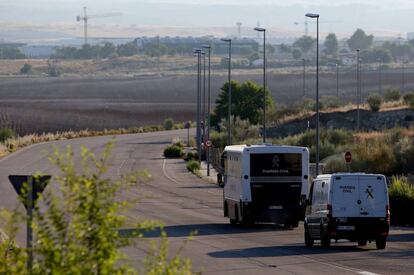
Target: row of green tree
column 385, row 53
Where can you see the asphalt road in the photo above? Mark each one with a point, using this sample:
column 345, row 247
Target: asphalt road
column 185, row 203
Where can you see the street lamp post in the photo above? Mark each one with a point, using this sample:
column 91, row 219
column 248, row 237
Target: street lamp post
column 264, row 80
column 314, row 15
column 208, row 47
column 204, row 98
column 228, row 40
column 402, row 76
column 358, row 88
column 337, row 80
column 304, row 77
column 198, row 52
column 379, row 76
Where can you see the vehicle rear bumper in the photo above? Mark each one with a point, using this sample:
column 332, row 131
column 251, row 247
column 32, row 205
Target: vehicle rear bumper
column 358, row 228
column 280, row 214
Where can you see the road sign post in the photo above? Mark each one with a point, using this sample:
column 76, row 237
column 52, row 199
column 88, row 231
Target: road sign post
column 187, row 126
column 28, row 188
column 348, row 160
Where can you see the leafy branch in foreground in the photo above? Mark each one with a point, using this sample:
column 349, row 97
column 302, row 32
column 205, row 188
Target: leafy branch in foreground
column 78, row 221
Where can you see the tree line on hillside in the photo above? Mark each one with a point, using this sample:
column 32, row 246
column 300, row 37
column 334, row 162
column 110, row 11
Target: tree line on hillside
column 304, row 47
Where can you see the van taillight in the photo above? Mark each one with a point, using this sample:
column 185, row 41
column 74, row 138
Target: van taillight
column 329, row 208
column 387, row 215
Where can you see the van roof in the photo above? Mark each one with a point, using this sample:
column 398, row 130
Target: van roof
column 242, row 147
column 348, row 174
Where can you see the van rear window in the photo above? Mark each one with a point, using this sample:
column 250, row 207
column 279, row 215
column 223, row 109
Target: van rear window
column 265, row 165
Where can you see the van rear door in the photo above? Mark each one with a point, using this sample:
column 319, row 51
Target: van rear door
column 372, row 196
column 345, row 196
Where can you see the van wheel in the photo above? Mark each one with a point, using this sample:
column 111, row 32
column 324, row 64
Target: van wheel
column 235, row 221
column 325, row 240
column 308, row 239
column 362, row 242
column 381, row 242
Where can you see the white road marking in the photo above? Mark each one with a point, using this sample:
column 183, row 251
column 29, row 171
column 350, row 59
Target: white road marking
column 367, row 273
column 165, row 173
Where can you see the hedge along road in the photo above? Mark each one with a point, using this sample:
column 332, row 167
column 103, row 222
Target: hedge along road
column 186, row 203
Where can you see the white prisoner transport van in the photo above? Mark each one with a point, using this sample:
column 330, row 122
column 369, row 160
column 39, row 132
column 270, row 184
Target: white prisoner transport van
column 265, row 183
column 352, row 206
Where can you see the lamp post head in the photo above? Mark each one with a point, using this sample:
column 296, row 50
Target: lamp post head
column 226, row 39
column 206, row 46
column 260, row 29
column 197, row 51
column 312, row 15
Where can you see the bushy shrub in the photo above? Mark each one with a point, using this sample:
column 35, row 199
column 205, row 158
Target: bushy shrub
column 6, row 133
column 401, row 194
column 218, row 139
column 26, row 68
column 409, row 99
column 404, row 155
column 374, row 102
column 337, row 136
column 335, row 165
column 191, row 155
column 168, row 124
column 173, row 151
column 193, row 166
column 307, row 139
column 373, row 156
column 392, row 95
column 326, row 149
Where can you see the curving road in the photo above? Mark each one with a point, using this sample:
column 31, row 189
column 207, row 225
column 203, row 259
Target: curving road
column 186, row 203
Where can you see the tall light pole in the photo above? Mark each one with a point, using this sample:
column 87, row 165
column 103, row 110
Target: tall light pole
column 198, row 52
column 315, row 15
column 379, row 76
column 208, row 47
column 304, row 77
column 402, row 76
column 204, row 97
column 337, row 80
column 228, row 40
column 264, row 80
column 358, row 88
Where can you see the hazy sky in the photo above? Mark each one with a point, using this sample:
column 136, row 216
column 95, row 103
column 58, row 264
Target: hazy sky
column 345, row 16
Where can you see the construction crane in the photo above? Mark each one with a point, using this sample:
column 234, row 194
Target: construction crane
column 239, row 24
column 86, row 17
column 306, row 24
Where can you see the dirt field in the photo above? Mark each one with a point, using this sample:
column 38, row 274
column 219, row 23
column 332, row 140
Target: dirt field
column 56, row 104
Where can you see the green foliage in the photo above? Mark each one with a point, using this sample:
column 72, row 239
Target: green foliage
column 359, row 40
column 77, row 230
column 12, row 257
column 404, row 155
column 6, row 133
column 296, row 54
column 335, row 165
column 53, row 70
column 218, row 139
column 304, row 43
column 374, row 102
column 373, row 156
column 11, row 53
column 401, row 194
column 75, row 233
column 241, row 129
column 392, row 95
column 173, row 151
column 193, row 166
column 246, row 102
column 398, row 50
column 168, row 124
column 26, row 68
column 191, row 155
column 409, row 99
column 376, row 54
column 331, row 44
column 159, row 261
